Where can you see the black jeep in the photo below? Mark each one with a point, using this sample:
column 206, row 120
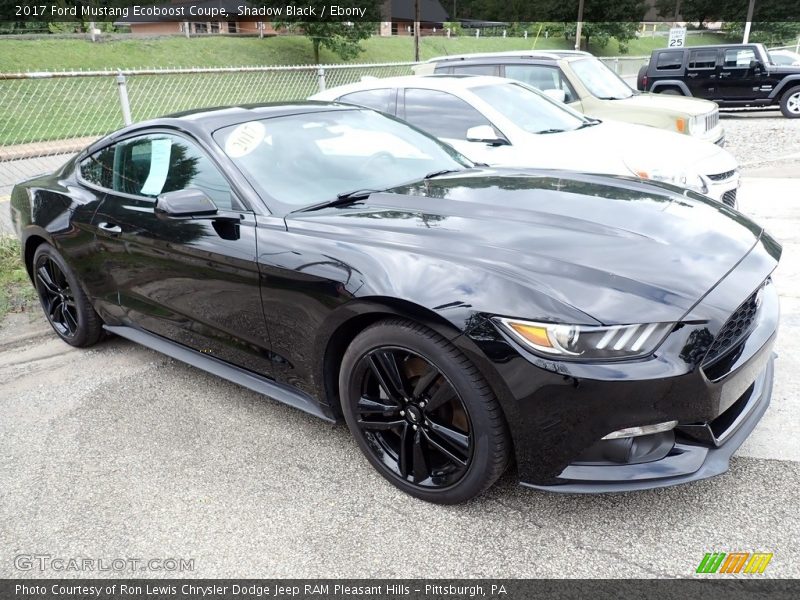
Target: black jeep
column 732, row 75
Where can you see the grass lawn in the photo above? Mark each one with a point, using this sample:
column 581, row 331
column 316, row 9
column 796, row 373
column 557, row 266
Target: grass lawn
column 59, row 54
column 16, row 291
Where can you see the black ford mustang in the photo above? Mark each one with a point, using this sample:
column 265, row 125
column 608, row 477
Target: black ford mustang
column 606, row 333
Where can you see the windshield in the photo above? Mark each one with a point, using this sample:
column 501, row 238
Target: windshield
column 528, row 109
column 303, row 160
column 601, row 81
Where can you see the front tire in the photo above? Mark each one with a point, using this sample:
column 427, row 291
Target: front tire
column 64, row 304
column 790, row 103
column 422, row 413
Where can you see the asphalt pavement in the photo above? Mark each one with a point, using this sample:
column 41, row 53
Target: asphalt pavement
column 118, row 452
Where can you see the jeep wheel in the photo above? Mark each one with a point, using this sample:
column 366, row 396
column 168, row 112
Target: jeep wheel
column 670, row 92
column 790, row 103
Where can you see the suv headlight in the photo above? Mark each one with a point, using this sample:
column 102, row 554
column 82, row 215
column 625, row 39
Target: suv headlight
column 586, row 342
column 697, row 125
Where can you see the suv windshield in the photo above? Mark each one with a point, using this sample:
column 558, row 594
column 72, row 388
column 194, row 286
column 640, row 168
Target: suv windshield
column 601, row 81
column 302, row 160
column 528, row 109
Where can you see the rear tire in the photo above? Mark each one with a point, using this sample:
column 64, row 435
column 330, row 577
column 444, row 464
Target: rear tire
column 65, row 306
column 790, row 103
column 670, row 91
column 422, row 413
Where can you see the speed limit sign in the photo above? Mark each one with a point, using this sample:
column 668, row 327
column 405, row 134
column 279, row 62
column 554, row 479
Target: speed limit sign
column 677, row 37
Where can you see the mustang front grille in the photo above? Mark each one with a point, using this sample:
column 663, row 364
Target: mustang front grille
column 734, row 330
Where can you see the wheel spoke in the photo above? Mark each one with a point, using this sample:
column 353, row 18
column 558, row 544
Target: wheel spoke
column 456, row 439
column 420, row 463
column 380, row 425
column 385, row 368
column 55, row 305
column 425, row 381
column 443, row 394
column 69, row 319
column 447, row 453
column 406, row 442
column 368, row 406
column 46, row 280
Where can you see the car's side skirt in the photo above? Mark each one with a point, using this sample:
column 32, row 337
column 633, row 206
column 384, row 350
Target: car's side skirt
column 262, row 385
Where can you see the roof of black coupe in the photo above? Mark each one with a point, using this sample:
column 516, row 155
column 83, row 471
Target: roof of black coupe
column 208, row 120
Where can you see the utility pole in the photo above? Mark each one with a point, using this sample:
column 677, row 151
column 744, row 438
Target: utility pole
column 749, row 21
column 416, row 30
column 579, row 28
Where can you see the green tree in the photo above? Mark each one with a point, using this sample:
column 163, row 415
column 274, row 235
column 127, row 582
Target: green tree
column 340, row 37
column 693, row 11
column 770, row 33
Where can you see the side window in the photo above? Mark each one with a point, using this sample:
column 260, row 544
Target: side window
column 739, row 58
column 441, row 114
column 476, row 70
column 154, row 164
column 376, row 99
column 668, row 61
column 98, row 168
column 542, row 78
column 702, row 59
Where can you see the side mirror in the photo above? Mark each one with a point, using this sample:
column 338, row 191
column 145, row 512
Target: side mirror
column 556, row 94
column 485, row 134
column 756, row 65
column 185, row 204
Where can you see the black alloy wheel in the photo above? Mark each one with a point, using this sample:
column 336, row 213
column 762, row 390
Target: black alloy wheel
column 57, row 298
column 413, row 417
column 422, row 414
column 65, row 305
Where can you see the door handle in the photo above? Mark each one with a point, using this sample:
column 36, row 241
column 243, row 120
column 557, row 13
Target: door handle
column 110, row 228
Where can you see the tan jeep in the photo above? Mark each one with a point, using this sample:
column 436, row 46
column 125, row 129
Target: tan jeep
column 588, row 85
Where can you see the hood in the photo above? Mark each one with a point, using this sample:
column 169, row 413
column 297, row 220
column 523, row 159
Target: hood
column 660, row 103
column 618, row 148
column 617, row 250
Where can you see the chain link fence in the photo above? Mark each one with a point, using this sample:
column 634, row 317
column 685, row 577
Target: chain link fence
column 46, row 117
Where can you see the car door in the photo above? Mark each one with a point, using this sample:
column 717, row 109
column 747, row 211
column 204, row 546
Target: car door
column 737, row 79
column 192, row 280
column 449, row 118
column 701, row 72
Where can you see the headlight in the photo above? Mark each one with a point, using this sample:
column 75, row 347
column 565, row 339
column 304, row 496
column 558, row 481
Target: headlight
column 691, row 181
column 587, row 342
column 697, row 125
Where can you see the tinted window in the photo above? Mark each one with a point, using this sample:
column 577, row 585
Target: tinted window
column 441, row 114
column 541, row 77
column 99, row 168
column 738, row 57
column 376, row 99
column 702, row 59
column 155, row 164
column 476, row 69
column 669, row 60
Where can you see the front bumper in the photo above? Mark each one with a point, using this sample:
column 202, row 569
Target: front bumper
column 687, row 460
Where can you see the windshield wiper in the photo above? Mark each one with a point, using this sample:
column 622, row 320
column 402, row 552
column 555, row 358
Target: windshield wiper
column 433, row 174
column 341, row 200
column 554, row 130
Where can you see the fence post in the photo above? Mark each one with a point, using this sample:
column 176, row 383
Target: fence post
column 321, row 79
column 123, row 99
